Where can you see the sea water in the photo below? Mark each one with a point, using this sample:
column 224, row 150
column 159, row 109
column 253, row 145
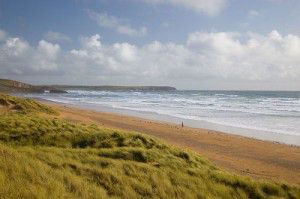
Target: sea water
column 259, row 112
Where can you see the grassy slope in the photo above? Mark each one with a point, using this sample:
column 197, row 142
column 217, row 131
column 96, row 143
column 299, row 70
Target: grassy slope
column 7, row 85
column 10, row 86
column 22, row 105
column 44, row 157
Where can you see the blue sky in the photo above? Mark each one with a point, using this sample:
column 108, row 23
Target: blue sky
column 31, row 19
column 53, row 31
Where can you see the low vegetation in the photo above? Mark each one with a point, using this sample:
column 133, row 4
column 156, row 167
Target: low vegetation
column 22, row 105
column 42, row 156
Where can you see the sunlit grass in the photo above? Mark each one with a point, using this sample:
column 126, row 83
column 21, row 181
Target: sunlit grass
column 23, row 105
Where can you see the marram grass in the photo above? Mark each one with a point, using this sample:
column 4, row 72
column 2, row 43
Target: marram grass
column 45, row 157
column 23, row 105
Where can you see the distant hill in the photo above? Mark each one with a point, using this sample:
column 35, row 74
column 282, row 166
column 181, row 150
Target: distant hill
column 117, row 88
column 7, row 85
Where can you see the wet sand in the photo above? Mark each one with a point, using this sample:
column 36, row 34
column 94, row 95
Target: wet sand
column 242, row 155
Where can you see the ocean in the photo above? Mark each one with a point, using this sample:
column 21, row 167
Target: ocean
column 268, row 115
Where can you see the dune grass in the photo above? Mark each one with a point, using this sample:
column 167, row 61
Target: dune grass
column 45, row 157
column 24, row 105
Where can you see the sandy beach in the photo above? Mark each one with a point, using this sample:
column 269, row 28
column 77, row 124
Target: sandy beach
column 246, row 156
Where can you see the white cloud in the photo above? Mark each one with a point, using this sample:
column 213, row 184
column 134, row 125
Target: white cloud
column 259, row 58
column 18, row 57
column 56, row 37
column 126, row 52
column 45, row 56
column 209, row 7
column 120, row 25
column 91, row 42
column 249, row 59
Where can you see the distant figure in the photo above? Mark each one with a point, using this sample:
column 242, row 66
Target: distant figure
column 182, row 124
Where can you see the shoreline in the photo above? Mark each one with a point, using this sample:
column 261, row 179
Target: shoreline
column 275, row 137
column 235, row 153
column 264, row 135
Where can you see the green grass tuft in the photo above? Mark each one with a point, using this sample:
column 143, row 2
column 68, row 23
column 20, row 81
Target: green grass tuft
column 24, row 105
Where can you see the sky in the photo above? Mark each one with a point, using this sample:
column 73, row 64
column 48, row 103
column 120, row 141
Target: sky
column 189, row 44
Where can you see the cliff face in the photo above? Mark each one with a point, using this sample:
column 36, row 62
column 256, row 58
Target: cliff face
column 7, row 85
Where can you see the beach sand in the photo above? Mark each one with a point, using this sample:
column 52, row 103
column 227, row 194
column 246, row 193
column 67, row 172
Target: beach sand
column 246, row 156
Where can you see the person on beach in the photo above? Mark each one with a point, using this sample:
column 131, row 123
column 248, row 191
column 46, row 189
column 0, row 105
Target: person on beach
column 182, row 124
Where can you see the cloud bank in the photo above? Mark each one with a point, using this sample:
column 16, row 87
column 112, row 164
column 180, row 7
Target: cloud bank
column 218, row 56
